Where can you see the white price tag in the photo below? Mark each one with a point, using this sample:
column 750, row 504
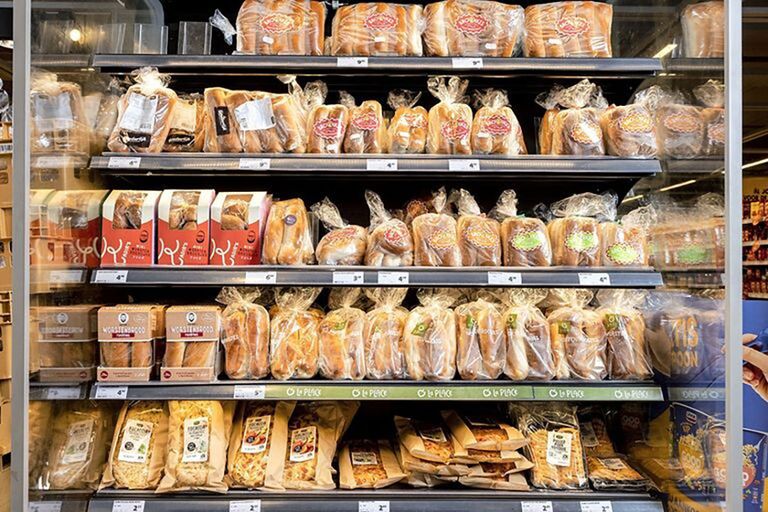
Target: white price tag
column 536, row 506
column 467, row 62
column 244, row 392
column 381, row 164
column 62, row 393
column 352, row 62
column 348, row 277
column 261, row 278
column 596, row 506
column 65, row 276
column 50, row 162
column 255, row 164
column 505, row 278
column 128, row 506
column 44, row 506
column 6, row 148
column 397, row 278
column 373, row 506
column 124, row 162
column 594, row 279
column 465, row 164
column 245, row 506
column 111, row 392
column 111, row 276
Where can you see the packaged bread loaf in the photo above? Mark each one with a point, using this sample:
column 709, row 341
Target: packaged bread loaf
column 419, row 479
column 295, row 334
column 287, row 27
column 258, row 444
column 450, row 121
column 490, row 478
column 704, row 29
column 495, row 129
column 198, row 435
column 76, row 216
column 127, row 337
column 101, row 113
column 578, row 336
column 430, row 336
column 245, row 333
column 67, row 346
column 184, row 227
column 628, row 356
column 575, row 231
column 145, row 114
column 220, row 133
column 390, row 243
column 480, row 28
column 629, row 131
column 326, row 124
column 288, row 236
column 481, row 351
column 366, row 131
column 40, row 416
column 548, row 101
column 711, row 95
column 527, row 336
column 576, row 128
column 435, row 236
column 383, row 334
column 483, row 433
column 58, row 120
column 524, row 240
column 680, row 127
column 128, row 228
column 407, row 132
column 478, row 235
column 187, row 133
column 344, row 244
column 431, row 446
column 192, row 343
column 137, row 455
column 624, row 243
column 342, row 342
column 615, row 474
column 367, row 464
column 594, row 432
column 377, row 28
column 568, row 29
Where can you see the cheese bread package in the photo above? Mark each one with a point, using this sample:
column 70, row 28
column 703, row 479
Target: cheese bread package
column 431, row 448
column 198, row 435
column 377, row 28
column 342, row 342
column 478, row 235
column 407, row 132
column 40, row 417
column 483, row 432
column 450, row 121
column 615, row 474
column 390, row 243
column 367, row 464
column 573, row 129
column 495, row 129
column 258, row 444
column 628, row 355
column 295, row 334
column 383, row 334
column 704, row 29
column 481, row 348
column 624, row 243
column 711, row 95
column 187, row 132
column 326, row 124
column 344, row 244
column 420, row 479
column 430, row 336
column 568, row 29
column 524, row 240
column 575, row 230
column 137, row 455
column 57, row 114
column 192, row 344
column 435, row 235
column 128, row 338
column 246, row 333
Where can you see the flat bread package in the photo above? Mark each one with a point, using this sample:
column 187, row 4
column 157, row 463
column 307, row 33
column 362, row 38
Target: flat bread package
column 367, row 464
column 424, row 473
column 430, row 440
column 496, row 481
column 615, row 474
column 484, row 433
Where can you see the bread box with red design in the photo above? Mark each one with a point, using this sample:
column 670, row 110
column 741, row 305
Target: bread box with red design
column 75, row 216
column 67, row 343
column 128, row 228
column 192, row 348
column 183, row 227
column 130, row 336
column 237, row 227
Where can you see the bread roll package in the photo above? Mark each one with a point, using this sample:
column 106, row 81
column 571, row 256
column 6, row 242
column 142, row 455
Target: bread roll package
column 377, row 28
column 183, row 227
column 246, row 333
column 326, row 124
column 495, row 129
column 289, row 27
column 407, row 132
column 192, row 343
column 484, row 433
column 629, row 131
column 187, row 132
column 128, row 335
column 258, row 444
column 384, row 336
column 712, row 96
column 145, row 114
column 478, row 235
column 575, row 230
column 367, row 464
column 344, row 244
column 568, row 29
column 473, row 28
column 628, row 355
column 435, row 236
column 481, row 350
column 390, row 243
column 430, row 336
column 527, row 336
column 367, row 131
column 450, row 121
column 75, row 215
column 342, row 342
column 575, row 129
column 624, row 243
column 198, row 436
column 295, row 334
column 220, row 133
column 128, row 228
column 137, row 455
column 704, row 29
column 579, row 341
column 40, row 417
column 58, row 120
column 239, row 228
column 524, row 240
column 67, row 346
column 288, row 235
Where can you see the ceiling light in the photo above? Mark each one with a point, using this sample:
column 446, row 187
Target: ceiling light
column 755, row 164
column 677, row 185
column 665, row 51
column 633, row 198
column 75, row 35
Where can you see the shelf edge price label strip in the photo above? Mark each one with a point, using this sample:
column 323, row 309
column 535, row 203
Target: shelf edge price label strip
column 110, row 276
column 63, row 393
column 467, row 62
column 594, row 279
column 128, row 506
column 505, row 278
column 249, row 392
column 352, row 62
column 380, row 164
column 348, row 277
column 396, row 278
column 65, row 276
column 44, row 506
column 463, row 164
column 536, row 506
column 255, row 164
column 111, row 392
column 261, row 278
column 245, row 506
column 596, row 506
column 124, row 162
column 373, row 506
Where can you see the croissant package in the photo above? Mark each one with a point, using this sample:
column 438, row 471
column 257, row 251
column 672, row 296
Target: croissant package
column 575, row 232
column 568, row 29
column 326, row 124
column 574, row 129
column 288, row 236
column 377, row 28
column 367, row 131
column 187, row 132
column 239, row 228
column 712, row 96
column 128, row 228
column 629, row 131
column 407, row 132
column 495, row 129
column 478, row 236
column 342, row 341
column 145, row 114
column 578, row 336
column 67, row 342
column 246, row 333
column 628, row 355
column 183, row 227
column 390, row 243
column 704, row 29
column 288, row 27
column 527, row 336
column 295, row 334
column 481, row 348
column 435, row 236
column 127, row 337
column 524, row 240
column 430, row 336
column 473, row 28
column 450, row 121
column 344, row 244
column 75, row 215
column 59, row 123
column 384, row 334
column 624, row 243
column 192, row 336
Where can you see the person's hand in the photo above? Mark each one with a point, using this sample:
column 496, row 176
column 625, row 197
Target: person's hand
column 755, row 371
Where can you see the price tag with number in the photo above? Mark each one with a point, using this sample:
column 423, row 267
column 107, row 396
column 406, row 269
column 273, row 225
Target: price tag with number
column 396, row 278
column 352, row 62
column 111, row 276
column 536, row 506
column 128, row 506
column 51, row 162
column 245, row 506
column 467, row 62
column 373, row 506
column 505, row 278
column 380, row 164
column 594, row 279
column 111, row 392
column 124, row 162
column 62, row 393
column 348, row 277
column 464, row 164
column 596, row 506
column 255, row 164
column 44, row 506
column 246, row 392
column 261, row 278
column 65, row 276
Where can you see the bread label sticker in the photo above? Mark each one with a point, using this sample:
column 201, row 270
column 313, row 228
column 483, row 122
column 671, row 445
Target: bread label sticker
column 303, row 444
column 52, row 113
column 442, row 239
column 420, row 329
column 415, row 120
column 614, row 464
column 464, row 164
column 581, row 241
column 185, row 117
column 255, row 115
column 268, row 40
column 396, row 278
column 139, row 114
column 471, row 325
column 683, row 122
column 364, row 459
column 716, row 133
column 365, row 120
column 596, row 506
column 472, row 24
column 692, row 255
column 559, row 448
column 467, row 62
column 572, row 26
column 635, row 121
column 456, row 129
column 512, row 321
column 586, row 132
column 245, row 506
column 137, row 436
column 623, row 253
column 255, row 434
column 221, row 120
column 481, row 235
column 536, row 506
column 196, row 439
column 528, row 241
column 381, row 164
column 497, row 125
column 588, row 435
column 79, row 439
column 277, row 23
column 434, row 434
column 328, row 128
column 381, row 21
column 594, row 279
column 352, row 62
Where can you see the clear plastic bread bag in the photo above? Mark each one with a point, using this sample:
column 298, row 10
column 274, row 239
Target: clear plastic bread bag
column 624, row 243
column 344, row 244
column 435, row 235
column 246, row 333
column 575, row 231
column 450, row 121
column 629, row 131
column 295, row 334
column 578, row 335
column 367, row 131
column 712, row 96
column 288, row 234
column 326, row 124
column 145, row 114
column 478, row 235
column 524, row 240
column 58, row 120
column 430, row 336
column 495, row 129
column 576, row 129
column 187, row 133
column 390, row 243
column 680, row 128
column 548, row 101
column 481, row 349
column 407, row 132
column 527, row 336
column 377, row 29
column 290, row 111
column 628, row 355
column 384, row 334
column 568, row 29
column 342, row 342
column 704, row 29
column 103, row 119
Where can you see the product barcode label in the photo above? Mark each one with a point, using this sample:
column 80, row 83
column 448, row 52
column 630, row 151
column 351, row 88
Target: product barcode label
column 44, row 506
column 128, row 506
column 348, row 278
column 396, row 278
column 62, row 393
column 536, row 506
column 352, row 62
column 124, row 162
column 505, row 278
column 260, row 277
column 594, row 279
column 464, row 164
column 381, row 164
column 65, row 276
column 245, row 506
column 111, row 392
column 467, row 62
column 373, row 506
column 243, row 392
column 111, row 276
column 255, row 164
column 596, row 506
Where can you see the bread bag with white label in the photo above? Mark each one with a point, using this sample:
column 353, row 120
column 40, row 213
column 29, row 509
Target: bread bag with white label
column 377, row 28
column 187, row 133
column 575, row 230
column 295, row 334
column 430, row 336
column 568, row 29
column 435, row 235
column 481, row 350
column 281, row 27
column 57, row 115
column 246, row 333
column 342, row 343
column 384, row 325
column 407, row 132
column 478, row 235
column 450, row 121
column 495, row 129
column 220, row 133
column 366, row 464
column 390, row 243
column 344, row 244
column 287, row 238
column 704, row 29
column 628, row 354
column 524, row 240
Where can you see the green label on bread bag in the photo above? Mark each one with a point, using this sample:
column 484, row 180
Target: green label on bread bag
column 623, row 254
column 581, row 241
column 420, row 329
column 527, row 241
column 512, row 320
column 692, row 255
column 611, row 322
column 563, row 327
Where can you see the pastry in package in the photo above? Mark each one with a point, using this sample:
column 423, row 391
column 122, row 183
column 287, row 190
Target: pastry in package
column 366, row 464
